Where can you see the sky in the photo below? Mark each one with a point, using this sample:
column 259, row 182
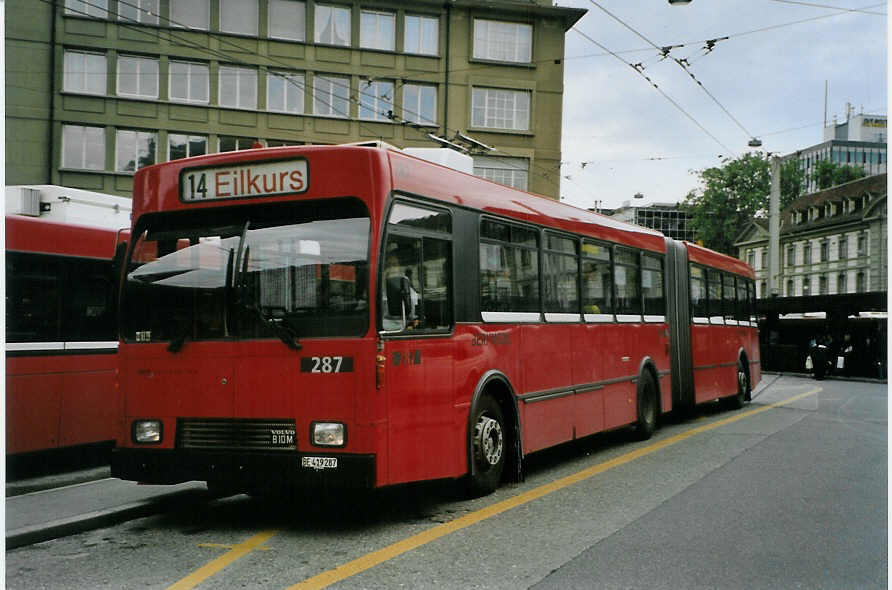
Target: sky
column 622, row 137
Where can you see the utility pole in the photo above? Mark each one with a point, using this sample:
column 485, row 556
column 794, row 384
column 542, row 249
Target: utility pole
column 774, row 230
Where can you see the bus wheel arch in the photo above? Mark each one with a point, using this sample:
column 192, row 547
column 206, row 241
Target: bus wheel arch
column 493, row 400
column 648, row 407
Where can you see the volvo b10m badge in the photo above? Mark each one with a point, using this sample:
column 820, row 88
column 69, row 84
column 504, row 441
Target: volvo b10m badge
column 282, row 437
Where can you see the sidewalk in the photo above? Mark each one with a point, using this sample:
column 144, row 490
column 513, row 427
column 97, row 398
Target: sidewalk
column 83, row 503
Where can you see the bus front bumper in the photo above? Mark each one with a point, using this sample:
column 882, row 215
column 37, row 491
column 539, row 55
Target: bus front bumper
column 244, row 470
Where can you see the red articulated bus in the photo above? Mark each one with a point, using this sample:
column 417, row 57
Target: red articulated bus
column 345, row 315
column 61, row 337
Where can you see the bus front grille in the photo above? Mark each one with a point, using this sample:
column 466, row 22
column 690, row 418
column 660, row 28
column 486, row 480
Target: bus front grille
column 228, row 434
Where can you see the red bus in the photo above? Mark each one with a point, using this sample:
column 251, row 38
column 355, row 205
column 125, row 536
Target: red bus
column 344, row 315
column 61, row 336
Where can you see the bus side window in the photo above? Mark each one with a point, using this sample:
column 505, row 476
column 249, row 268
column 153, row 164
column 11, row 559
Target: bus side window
column 597, row 279
column 652, row 285
column 729, row 297
column 626, row 282
column 714, row 281
column 699, row 307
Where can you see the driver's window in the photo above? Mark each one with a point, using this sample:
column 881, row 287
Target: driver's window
column 416, row 286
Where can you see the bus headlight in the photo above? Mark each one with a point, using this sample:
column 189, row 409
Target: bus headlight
column 329, row 434
column 147, row 431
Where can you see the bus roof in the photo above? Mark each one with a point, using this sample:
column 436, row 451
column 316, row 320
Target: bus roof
column 363, row 170
column 33, row 234
column 701, row 255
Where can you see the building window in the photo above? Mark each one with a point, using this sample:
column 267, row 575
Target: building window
column 841, row 286
column 138, row 11
column 751, row 258
column 189, row 82
column 84, row 72
column 287, row 20
column 764, row 259
column 377, row 30
column 806, row 254
column 503, row 41
column 862, row 244
column 790, row 291
column 763, row 293
column 422, row 35
column 500, row 109
column 285, row 92
column 512, row 172
column 843, row 247
column 791, row 256
column 137, row 76
column 823, row 285
column 93, row 8
column 861, row 283
column 239, row 16
column 375, row 100
column 331, row 96
column 332, row 24
column 190, row 14
column 133, row 150
column 238, row 87
column 186, row 146
column 806, row 287
column 83, row 148
column 420, row 104
column 825, row 250
column 232, row 144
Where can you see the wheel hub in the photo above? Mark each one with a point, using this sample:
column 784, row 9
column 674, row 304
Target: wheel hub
column 488, row 440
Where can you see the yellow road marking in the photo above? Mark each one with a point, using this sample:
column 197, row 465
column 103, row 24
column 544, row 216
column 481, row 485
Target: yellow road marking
column 211, row 568
column 370, row 560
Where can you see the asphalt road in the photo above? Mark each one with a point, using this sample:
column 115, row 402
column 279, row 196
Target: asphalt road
column 789, row 492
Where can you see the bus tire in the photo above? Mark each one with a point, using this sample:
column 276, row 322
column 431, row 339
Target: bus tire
column 489, row 446
column 648, row 407
column 736, row 401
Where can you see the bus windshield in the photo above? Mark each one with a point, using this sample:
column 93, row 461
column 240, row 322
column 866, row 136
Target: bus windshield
column 291, row 271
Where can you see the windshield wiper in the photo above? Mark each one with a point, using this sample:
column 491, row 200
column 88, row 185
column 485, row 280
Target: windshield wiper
column 285, row 332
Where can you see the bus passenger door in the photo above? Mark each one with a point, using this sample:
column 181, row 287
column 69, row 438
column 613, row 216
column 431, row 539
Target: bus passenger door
column 416, row 312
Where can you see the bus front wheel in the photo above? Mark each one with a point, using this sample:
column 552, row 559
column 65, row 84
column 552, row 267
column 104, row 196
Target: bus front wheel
column 736, row 401
column 488, row 447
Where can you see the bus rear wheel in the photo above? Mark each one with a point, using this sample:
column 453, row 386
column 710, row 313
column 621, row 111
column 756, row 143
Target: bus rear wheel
column 736, row 401
column 488, row 447
column 647, row 407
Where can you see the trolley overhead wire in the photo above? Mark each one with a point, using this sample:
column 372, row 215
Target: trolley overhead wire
column 660, row 90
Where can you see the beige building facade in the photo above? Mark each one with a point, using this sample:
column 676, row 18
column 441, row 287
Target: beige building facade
column 96, row 89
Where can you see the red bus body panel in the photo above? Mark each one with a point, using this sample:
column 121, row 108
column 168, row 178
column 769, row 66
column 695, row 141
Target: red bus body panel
column 59, row 399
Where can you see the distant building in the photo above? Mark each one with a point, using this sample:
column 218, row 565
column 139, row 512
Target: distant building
column 831, row 242
column 860, row 141
column 664, row 217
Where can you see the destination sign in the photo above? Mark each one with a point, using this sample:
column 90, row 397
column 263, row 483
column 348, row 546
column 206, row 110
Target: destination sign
column 256, row 179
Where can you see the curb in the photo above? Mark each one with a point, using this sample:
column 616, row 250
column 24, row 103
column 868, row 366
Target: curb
column 62, row 527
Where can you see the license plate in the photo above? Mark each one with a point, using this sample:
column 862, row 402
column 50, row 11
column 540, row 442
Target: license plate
column 319, row 462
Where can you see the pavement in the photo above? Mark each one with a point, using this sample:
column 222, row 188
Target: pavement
column 53, row 506
column 56, row 506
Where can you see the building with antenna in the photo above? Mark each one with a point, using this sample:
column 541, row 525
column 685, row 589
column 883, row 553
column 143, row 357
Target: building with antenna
column 859, row 141
column 96, row 89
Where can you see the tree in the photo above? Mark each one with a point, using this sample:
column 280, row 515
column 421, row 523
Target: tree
column 731, row 196
column 827, row 174
column 792, row 181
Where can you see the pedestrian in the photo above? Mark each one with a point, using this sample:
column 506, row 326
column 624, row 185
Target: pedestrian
column 819, row 359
